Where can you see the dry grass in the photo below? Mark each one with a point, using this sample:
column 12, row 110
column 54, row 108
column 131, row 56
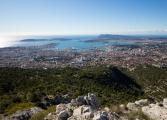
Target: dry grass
column 15, row 107
column 41, row 115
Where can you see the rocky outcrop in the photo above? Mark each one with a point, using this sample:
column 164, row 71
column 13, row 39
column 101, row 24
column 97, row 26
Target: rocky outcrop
column 83, row 112
column 90, row 100
column 81, row 108
column 137, row 104
column 155, row 112
column 88, row 108
column 62, row 112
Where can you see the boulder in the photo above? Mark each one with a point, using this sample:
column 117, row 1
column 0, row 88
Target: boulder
column 89, row 99
column 21, row 115
column 165, row 102
column 92, row 100
column 101, row 115
column 73, row 102
column 83, row 112
column 81, row 109
column 61, row 107
column 142, row 102
column 24, row 114
column 132, row 106
column 155, row 112
column 114, row 116
column 87, row 115
column 80, row 101
column 64, row 115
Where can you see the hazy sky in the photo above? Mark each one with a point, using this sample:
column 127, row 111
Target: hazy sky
column 82, row 16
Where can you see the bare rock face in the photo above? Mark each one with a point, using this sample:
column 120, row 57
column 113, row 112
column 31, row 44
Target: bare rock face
column 155, row 112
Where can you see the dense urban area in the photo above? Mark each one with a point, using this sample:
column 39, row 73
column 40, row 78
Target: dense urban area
column 127, row 56
column 118, row 82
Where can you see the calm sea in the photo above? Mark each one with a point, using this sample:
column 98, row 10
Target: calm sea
column 67, row 42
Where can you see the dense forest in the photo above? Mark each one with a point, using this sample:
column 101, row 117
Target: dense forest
column 112, row 85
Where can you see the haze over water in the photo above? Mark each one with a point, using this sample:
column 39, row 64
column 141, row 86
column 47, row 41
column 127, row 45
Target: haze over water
column 79, row 42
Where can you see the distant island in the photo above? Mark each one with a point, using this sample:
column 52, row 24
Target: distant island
column 108, row 37
column 52, row 39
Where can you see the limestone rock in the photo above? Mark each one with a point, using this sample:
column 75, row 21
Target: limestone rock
column 60, row 108
column 90, row 99
column 83, row 112
column 114, row 116
column 80, row 101
column 165, row 102
column 101, row 115
column 155, row 112
column 73, row 102
column 24, row 114
column 132, row 106
column 63, row 115
column 142, row 102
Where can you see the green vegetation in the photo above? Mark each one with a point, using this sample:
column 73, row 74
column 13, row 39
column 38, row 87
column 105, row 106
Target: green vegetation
column 26, row 87
column 18, row 106
column 41, row 115
column 137, row 114
column 152, row 79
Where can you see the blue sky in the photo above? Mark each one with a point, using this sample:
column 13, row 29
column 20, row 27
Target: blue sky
column 83, row 16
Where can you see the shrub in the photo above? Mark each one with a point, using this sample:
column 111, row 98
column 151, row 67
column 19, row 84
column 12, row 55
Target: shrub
column 18, row 106
column 138, row 114
column 41, row 115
